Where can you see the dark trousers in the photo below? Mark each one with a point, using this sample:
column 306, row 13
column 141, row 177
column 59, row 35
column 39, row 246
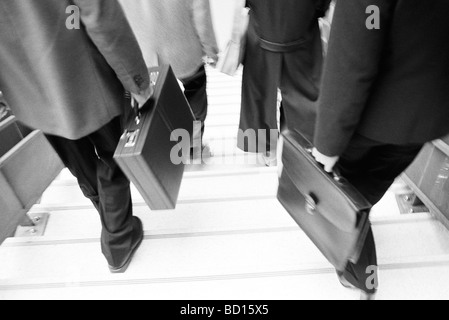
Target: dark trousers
column 195, row 90
column 297, row 74
column 372, row 167
column 90, row 160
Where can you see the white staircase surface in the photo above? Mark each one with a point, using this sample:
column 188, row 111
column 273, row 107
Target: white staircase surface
column 229, row 238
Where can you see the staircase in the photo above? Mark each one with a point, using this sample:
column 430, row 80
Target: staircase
column 229, row 238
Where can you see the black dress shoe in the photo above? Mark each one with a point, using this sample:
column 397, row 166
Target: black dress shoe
column 137, row 241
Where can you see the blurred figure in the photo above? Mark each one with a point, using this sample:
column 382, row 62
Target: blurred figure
column 382, row 99
column 179, row 33
column 284, row 51
column 70, row 83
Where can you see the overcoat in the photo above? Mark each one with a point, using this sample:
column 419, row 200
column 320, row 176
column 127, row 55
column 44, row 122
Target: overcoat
column 387, row 80
column 176, row 32
column 284, row 51
column 68, row 82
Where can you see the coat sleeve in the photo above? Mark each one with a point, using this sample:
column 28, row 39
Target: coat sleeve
column 107, row 26
column 351, row 69
column 202, row 17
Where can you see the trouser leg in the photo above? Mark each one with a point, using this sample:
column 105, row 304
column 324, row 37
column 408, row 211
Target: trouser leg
column 259, row 96
column 195, row 90
column 300, row 83
column 372, row 168
column 91, row 161
column 116, row 210
column 80, row 158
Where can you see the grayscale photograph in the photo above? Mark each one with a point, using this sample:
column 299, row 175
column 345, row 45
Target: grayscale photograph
column 224, row 157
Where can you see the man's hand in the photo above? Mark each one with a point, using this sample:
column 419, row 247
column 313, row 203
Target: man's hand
column 211, row 61
column 328, row 162
column 143, row 97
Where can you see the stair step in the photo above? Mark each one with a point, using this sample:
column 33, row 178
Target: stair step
column 224, row 91
column 258, row 213
column 220, row 133
column 219, row 111
column 223, row 120
column 215, row 76
column 216, row 216
column 229, row 162
column 225, row 100
column 430, row 283
column 228, row 257
column 225, row 84
column 248, row 287
column 196, row 187
column 204, row 218
column 225, row 146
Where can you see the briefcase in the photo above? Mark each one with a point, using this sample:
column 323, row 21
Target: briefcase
column 28, row 165
column 144, row 150
column 333, row 214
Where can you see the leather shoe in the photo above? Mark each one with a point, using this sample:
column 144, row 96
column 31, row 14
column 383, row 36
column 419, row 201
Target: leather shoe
column 137, row 241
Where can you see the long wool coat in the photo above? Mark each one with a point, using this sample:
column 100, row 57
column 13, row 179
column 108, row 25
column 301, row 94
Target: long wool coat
column 68, row 82
column 176, row 32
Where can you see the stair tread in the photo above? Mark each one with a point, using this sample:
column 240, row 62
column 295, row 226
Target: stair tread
column 197, row 257
column 186, row 219
column 430, row 283
column 220, row 216
column 223, row 120
column 261, row 182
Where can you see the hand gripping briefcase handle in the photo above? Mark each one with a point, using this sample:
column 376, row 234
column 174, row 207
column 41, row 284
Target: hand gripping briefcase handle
column 336, row 178
column 136, row 111
column 332, row 212
column 311, row 200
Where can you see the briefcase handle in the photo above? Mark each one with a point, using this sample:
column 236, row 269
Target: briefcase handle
column 137, row 112
column 335, row 174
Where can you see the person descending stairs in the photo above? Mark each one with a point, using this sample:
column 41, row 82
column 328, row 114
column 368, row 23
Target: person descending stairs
column 229, row 238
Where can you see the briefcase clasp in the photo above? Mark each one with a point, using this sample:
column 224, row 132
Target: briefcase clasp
column 311, row 204
column 131, row 138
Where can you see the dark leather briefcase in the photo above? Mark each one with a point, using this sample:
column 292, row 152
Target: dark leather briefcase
column 28, row 165
column 144, row 150
column 329, row 210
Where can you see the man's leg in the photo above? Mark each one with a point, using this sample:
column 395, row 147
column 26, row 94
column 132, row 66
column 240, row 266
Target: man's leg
column 121, row 231
column 91, row 161
column 300, row 86
column 372, row 168
column 259, row 95
column 196, row 94
column 80, row 158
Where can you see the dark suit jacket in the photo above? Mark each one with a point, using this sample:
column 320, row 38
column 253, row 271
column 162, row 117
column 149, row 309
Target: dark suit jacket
column 286, row 21
column 65, row 82
column 390, row 85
